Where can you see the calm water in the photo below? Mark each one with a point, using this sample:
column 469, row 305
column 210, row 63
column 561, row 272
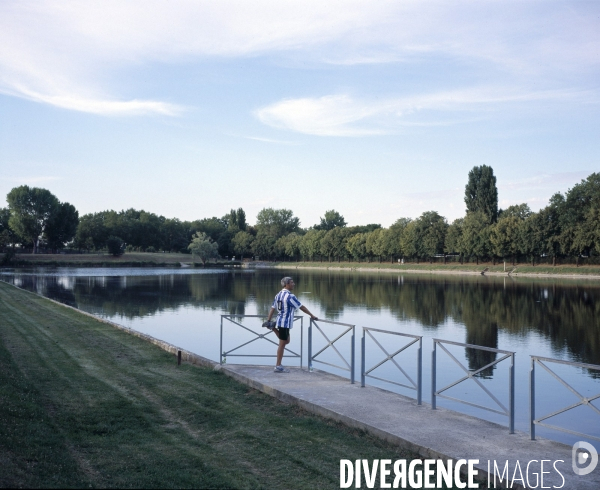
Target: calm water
column 552, row 318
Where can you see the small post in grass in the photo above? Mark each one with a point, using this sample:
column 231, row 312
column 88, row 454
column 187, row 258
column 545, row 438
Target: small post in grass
column 179, row 358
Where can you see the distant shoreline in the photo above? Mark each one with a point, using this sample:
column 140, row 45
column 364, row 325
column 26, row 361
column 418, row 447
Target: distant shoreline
column 177, row 260
column 474, row 270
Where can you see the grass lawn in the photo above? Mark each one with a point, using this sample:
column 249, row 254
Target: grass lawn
column 83, row 404
column 453, row 267
column 102, row 259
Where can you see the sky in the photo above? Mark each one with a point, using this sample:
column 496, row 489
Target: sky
column 375, row 109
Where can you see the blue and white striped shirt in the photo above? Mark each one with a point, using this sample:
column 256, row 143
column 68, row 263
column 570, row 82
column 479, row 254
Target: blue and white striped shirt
column 286, row 304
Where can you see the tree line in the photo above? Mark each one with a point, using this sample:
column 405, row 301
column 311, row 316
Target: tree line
column 568, row 227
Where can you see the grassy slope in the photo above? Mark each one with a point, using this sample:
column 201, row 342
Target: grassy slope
column 85, row 405
column 105, row 258
column 452, row 267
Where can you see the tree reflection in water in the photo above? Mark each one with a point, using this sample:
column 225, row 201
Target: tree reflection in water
column 565, row 312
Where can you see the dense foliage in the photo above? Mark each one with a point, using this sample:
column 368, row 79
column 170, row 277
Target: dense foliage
column 568, row 228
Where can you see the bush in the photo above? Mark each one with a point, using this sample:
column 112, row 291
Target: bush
column 115, row 246
column 8, row 257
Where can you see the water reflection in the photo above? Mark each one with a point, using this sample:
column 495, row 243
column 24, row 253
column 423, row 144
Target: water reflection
column 566, row 313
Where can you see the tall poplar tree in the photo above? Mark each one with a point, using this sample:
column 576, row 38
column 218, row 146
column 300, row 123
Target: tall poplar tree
column 481, row 193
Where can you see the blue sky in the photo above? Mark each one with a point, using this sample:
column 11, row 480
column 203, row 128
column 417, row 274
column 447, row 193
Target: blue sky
column 375, row 109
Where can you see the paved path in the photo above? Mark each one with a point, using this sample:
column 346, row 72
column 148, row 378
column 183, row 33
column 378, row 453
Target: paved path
column 440, row 433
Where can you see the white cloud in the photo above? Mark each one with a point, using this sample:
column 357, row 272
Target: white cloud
column 555, row 181
column 69, row 49
column 270, row 140
column 343, row 115
column 101, row 106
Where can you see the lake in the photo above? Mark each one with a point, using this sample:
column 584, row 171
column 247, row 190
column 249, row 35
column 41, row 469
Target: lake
column 557, row 318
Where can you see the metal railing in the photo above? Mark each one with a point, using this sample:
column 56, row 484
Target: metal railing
column 330, row 343
column 365, row 373
column 582, row 399
column 509, row 412
column 261, row 335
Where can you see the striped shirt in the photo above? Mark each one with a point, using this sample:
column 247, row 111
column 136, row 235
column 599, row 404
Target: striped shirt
column 286, row 304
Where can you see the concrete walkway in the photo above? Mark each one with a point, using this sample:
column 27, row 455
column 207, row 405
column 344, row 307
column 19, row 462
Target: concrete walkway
column 436, row 434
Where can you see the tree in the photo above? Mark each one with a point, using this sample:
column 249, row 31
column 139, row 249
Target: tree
column 264, row 245
column 520, row 211
column 475, row 237
column 204, row 247
column 276, row 222
column 430, row 229
column 175, row 235
column 242, row 243
column 409, row 240
column 236, row 220
column 62, row 226
column 115, row 246
column 92, row 232
column 333, row 243
column 393, row 243
column 481, row 193
column 357, row 246
column 453, row 241
column 7, row 235
column 310, row 245
column 289, row 245
column 331, row 219
column 531, row 237
column 505, row 236
column 31, row 209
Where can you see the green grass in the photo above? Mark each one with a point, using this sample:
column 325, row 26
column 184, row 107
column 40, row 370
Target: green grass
column 101, row 259
column 454, row 267
column 83, row 404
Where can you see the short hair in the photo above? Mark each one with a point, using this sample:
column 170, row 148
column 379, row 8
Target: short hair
column 285, row 281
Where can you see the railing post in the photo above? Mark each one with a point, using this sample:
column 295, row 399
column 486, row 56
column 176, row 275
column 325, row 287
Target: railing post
column 301, row 340
column 362, row 359
column 511, row 395
column 221, row 343
column 532, row 399
column 310, row 368
column 433, row 376
column 419, row 372
column 352, row 358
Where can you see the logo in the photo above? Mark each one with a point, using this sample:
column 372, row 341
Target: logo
column 585, row 458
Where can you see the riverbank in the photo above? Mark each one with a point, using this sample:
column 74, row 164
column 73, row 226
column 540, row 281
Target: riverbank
column 521, row 270
column 128, row 259
column 83, row 404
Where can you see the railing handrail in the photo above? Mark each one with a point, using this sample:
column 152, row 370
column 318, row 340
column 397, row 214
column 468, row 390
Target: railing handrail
column 473, row 346
column 393, row 333
column 568, row 363
column 332, row 322
column 330, row 343
column 390, row 357
column 247, row 316
column 583, row 400
column 509, row 412
column 223, row 355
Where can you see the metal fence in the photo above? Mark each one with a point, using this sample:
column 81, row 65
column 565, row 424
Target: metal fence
column 349, row 366
column 509, row 412
column 260, row 335
column 365, row 373
column 582, row 399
